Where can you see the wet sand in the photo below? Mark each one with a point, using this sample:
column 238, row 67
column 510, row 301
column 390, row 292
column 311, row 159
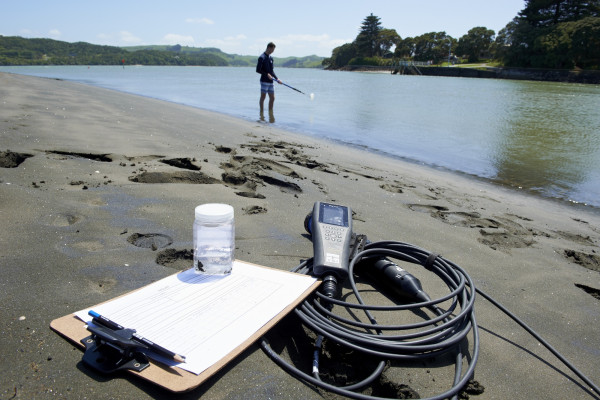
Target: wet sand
column 97, row 197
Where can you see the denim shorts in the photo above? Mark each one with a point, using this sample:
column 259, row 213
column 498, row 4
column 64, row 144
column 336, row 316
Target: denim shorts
column 266, row 87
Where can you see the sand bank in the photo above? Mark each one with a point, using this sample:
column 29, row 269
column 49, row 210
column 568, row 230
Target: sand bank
column 97, row 193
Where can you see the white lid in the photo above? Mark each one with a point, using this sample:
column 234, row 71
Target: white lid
column 214, row 212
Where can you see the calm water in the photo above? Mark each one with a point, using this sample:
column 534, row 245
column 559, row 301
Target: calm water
column 538, row 136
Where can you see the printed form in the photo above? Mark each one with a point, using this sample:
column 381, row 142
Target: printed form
column 205, row 317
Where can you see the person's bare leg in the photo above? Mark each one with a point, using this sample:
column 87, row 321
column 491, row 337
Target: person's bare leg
column 261, row 102
column 271, row 101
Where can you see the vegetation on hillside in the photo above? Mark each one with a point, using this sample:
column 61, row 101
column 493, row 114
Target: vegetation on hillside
column 234, row 59
column 21, row 51
column 555, row 34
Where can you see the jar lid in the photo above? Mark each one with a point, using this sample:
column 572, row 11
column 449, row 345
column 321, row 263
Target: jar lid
column 214, row 212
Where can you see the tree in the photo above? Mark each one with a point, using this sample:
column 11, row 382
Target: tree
column 547, row 13
column 553, row 34
column 504, row 40
column 387, row 39
column 368, row 39
column 405, row 48
column 476, row 43
column 432, row 46
column 570, row 44
column 341, row 56
column 585, row 43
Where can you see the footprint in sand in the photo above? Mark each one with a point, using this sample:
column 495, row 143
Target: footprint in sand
column 10, row 159
column 174, row 177
column 427, row 208
column 252, row 195
column 467, row 219
column 576, row 238
column 89, row 156
column 392, row 188
column 251, row 210
column 152, row 241
column 178, row 259
column 184, row 163
column 499, row 234
column 249, row 172
column 587, row 260
column 456, row 218
column 291, row 151
column 62, row 219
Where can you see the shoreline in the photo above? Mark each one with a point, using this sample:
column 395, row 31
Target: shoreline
column 522, row 191
column 585, row 77
column 100, row 168
column 530, row 191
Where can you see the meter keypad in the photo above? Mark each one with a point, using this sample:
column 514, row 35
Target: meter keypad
column 333, row 233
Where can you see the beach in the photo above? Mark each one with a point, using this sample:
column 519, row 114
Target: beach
column 91, row 177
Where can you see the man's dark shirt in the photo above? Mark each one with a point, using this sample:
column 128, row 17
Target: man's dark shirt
column 265, row 67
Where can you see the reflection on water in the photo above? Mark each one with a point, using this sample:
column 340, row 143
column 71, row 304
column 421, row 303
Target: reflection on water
column 261, row 117
column 550, row 142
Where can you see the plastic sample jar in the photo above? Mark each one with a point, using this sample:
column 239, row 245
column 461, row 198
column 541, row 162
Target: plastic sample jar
column 214, row 239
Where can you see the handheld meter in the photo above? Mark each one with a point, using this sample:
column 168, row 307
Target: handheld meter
column 331, row 228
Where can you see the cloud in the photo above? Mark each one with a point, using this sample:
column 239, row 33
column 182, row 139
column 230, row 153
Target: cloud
column 54, row 33
column 227, row 43
column 333, row 43
column 129, row 38
column 103, row 37
column 288, row 45
column 322, row 41
column 299, row 44
column 122, row 38
column 173, row 38
column 203, row 21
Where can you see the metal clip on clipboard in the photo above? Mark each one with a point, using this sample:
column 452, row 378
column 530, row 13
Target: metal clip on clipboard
column 108, row 350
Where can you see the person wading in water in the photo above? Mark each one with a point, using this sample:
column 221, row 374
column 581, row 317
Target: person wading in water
column 264, row 67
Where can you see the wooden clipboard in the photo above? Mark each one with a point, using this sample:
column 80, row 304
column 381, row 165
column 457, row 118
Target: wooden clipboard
column 173, row 378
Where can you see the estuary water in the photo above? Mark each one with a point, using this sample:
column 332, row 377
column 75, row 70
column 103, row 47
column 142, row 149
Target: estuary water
column 540, row 137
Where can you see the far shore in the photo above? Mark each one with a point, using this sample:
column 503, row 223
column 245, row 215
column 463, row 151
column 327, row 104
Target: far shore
column 530, row 74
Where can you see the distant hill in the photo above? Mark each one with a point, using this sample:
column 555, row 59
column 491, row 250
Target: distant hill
column 16, row 50
column 235, row 60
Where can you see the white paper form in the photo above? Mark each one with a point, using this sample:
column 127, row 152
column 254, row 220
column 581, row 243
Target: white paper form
column 204, row 317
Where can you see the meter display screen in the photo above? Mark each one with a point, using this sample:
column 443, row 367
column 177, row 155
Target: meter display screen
column 333, row 214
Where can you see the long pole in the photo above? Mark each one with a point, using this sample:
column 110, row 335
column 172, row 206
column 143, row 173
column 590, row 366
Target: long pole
column 292, row 88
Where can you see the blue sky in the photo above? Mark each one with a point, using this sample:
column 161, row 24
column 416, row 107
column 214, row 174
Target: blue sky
column 299, row 28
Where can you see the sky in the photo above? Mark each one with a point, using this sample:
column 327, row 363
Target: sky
column 299, row 28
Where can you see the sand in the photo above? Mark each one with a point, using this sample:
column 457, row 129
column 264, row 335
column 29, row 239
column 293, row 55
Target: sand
column 97, row 197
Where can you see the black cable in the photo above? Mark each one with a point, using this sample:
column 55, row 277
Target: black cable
column 439, row 335
column 541, row 340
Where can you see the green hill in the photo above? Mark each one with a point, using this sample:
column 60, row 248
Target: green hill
column 235, row 60
column 16, row 50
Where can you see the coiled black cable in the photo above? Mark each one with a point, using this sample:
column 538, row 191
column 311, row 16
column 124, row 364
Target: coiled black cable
column 431, row 338
column 425, row 340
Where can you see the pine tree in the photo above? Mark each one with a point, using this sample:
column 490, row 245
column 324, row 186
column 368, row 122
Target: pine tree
column 368, row 40
column 547, row 13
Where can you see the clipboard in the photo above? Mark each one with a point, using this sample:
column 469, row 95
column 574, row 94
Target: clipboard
column 176, row 379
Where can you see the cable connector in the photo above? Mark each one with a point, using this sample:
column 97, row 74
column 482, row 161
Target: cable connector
column 403, row 285
column 330, row 286
column 317, row 352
